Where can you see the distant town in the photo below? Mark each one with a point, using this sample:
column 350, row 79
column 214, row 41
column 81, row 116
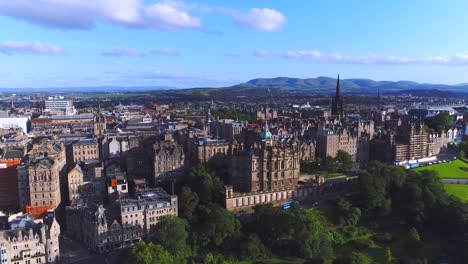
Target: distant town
column 93, row 177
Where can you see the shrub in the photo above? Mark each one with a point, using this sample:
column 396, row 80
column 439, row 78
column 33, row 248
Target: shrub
column 350, row 231
column 336, row 237
column 383, row 238
column 362, row 244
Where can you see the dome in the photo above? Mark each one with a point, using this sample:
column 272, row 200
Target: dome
column 266, row 134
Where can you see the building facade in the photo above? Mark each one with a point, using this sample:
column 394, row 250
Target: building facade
column 123, row 223
column 168, row 159
column 24, row 240
column 39, row 178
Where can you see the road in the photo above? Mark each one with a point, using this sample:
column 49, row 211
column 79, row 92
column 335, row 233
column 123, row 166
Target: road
column 455, row 181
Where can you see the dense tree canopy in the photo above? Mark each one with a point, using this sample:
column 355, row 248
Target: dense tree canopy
column 204, row 183
column 171, row 233
column 216, row 225
column 149, row 253
column 188, row 202
column 440, row 122
column 345, row 161
column 347, row 214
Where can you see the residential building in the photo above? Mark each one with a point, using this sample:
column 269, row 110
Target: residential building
column 25, row 240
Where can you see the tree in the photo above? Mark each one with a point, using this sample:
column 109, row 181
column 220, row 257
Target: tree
column 345, row 161
column 294, row 232
column 347, row 214
column 330, row 164
column 171, row 233
column 413, row 245
column 360, row 258
column 389, row 259
column 216, row 226
column 204, row 183
column 463, row 147
column 149, row 253
column 372, row 191
column 440, row 122
column 188, row 202
column 254, row 248
column 356, row 257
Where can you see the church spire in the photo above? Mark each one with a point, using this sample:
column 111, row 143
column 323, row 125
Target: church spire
column 338, row 92
column 337, row 102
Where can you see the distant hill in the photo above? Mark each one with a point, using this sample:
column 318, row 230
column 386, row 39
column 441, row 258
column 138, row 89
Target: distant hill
column 279, row 86
column 350, row 86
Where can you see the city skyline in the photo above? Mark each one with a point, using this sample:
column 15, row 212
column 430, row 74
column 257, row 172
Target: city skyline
column 144, row 43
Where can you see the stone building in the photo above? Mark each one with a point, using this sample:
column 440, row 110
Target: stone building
column 99, row 229
column 123, row 223
column 24, row 240
column 82, row 150
column 75, row 182
column 39, row 177
column 147, row 209
column 267, row 113
column 352, row 137
column 206, row 149
column 168, row 159
column 333, row 138
column 227, row 129
column 270, row 165
column 413, row 142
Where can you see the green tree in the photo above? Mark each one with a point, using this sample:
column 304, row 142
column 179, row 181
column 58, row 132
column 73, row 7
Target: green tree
column 204, row 183
column 171, row 233
column 440, row 122
column 360, row 258
column 149, row 253
column 372, row 191
column 254, row 248
column 188, row 202
column 216, row 226
column 347, row 214
column 389, row 259
column 344, row 160
column 330, row 165
column 413, row 246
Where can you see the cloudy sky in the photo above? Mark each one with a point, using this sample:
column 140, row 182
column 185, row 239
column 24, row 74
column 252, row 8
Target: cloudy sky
column 57, row 43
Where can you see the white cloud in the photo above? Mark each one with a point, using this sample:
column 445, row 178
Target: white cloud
column 10, row 47
column 317, row 56
column 166, row 52
column 263, row 53
column 171, row 15
column 263, row 19
column 121, row 52
column 83, row 14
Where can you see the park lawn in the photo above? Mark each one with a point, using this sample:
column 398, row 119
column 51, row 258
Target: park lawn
column 456, row 169
column 458, row 190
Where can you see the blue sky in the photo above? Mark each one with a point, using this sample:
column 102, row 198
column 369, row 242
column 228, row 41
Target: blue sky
column 57, row 43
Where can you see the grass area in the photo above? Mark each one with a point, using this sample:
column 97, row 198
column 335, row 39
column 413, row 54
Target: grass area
column 456, row 169
column 458, row 190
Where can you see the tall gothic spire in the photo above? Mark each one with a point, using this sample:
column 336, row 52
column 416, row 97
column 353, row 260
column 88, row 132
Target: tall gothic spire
column 338, row 92
column 337, row 102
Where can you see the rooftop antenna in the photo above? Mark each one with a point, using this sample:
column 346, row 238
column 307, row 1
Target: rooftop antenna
column 271, row 96
column 12, row 103
column 379, row 101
